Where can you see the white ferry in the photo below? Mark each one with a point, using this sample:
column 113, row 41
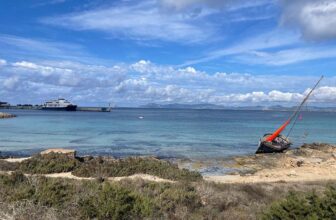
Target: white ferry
column 59, row 105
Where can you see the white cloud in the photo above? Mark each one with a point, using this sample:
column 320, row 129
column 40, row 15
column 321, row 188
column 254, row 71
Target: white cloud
column 42, row 48
column 273, row 39
column 325, row 94
column 3, row 62
column 43, row 70
column 142, row 21
column 229, row 4
column 11, row 82
column 288, row 56
column 143, row 82
column 314, row 18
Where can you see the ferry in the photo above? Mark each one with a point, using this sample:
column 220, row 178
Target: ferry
column 59, row 105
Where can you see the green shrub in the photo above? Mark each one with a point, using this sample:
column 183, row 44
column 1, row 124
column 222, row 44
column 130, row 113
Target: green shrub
column 98, row 167
column 15, row 187
column 53, row 192
column 115, row 202
column 176, row 197
column 304, row 206
column 48, row 163
column 101, row 167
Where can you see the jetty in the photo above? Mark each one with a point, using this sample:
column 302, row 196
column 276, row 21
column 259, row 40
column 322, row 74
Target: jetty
column 94, row 109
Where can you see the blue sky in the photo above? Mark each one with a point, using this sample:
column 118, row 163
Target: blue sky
column 242, row 52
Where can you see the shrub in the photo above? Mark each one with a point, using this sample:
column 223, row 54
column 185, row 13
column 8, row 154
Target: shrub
column 115, row 202
column 8, row 166
column 48, row 163
column 176, row 197
column 53, row 192
column 98, row 167
column 15, row 187
column 304, row 206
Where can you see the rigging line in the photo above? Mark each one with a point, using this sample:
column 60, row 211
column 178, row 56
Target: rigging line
column 298, row 109
column 291, row 129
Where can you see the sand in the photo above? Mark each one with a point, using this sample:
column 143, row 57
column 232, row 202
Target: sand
column 147, row 177
column 14, row 160
column 310, row 163
column 299, row 174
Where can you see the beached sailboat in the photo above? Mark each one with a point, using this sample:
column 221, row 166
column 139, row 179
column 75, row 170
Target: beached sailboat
column 276, row 142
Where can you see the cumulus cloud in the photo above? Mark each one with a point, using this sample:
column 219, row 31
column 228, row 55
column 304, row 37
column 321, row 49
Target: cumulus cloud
column 143, row 82
column 315, row 19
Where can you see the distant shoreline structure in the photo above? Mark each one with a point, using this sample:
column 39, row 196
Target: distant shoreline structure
column 5, row 105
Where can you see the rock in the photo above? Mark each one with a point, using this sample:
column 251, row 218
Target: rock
column 334, row 155
column 299, row 163
column 68, row 152
column 6, row 115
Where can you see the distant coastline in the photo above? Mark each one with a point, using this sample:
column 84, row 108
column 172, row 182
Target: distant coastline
column 221, row 107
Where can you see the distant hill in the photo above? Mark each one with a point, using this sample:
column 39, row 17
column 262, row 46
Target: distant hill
column 212, row 106
column 183, row 106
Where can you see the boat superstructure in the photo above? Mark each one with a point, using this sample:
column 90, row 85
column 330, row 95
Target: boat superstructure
column 59, row 105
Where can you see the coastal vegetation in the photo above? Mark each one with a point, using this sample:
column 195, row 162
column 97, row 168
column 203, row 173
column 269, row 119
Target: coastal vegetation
column 27, row 192
column 304, row 206
column 38, row 197
column 100, row 167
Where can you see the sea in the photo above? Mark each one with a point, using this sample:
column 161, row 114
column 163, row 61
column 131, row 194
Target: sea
column 164, row 133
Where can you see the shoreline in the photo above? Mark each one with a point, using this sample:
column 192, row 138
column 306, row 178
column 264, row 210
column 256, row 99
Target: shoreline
column 309, row 163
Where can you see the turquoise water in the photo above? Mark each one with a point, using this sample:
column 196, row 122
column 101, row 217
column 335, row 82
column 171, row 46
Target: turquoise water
column 160, row 132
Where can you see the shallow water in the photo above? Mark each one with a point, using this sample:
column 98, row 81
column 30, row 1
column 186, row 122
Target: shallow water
column 165, row 133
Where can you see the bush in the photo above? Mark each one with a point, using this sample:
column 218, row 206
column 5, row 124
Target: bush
column 8, row 166
column 115, row 202
column 98, row 167
column 48, row 163
column 177, row 197
column 15, row 187
column 53, row 192
column 304, row 206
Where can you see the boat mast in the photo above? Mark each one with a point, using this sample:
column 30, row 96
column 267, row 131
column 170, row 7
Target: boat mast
column 298, row 109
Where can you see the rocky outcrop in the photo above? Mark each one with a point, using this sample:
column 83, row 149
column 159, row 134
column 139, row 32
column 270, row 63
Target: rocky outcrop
column 70, row 153
column 6, row 115
column 313, row 154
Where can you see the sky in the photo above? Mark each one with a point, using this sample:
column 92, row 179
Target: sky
column 134, row 52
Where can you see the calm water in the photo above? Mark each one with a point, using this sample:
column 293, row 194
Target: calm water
column 164, row 133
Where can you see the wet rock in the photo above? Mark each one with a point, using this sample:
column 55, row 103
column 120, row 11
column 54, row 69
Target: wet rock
column 6, row 115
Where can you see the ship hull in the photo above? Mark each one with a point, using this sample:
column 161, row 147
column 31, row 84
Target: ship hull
column 267, row 148
column 279, row 145
column 70, row 108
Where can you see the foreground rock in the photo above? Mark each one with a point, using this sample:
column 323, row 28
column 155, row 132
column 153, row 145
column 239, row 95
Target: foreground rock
column 6, row 115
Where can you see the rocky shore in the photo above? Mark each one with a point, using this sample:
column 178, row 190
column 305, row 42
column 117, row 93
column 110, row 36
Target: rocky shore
column 6, row 115
column 310, row 162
